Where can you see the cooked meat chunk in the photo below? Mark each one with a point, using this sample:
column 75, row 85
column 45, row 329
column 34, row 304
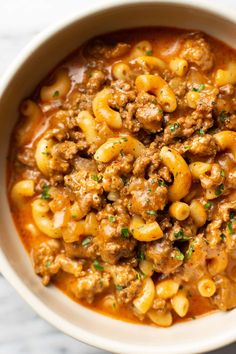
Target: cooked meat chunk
column 201, row 145
column 88, row 286
column 197, row 51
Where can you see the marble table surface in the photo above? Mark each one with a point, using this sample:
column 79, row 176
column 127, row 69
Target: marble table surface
column 21, row 330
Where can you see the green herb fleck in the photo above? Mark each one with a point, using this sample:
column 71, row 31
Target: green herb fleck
column 112, row 218
column 120, row 287
column 56, row 93
column 45, row 193
column 86, row 241
column 193, row 318
column 74, row 216
column 97, row 265
column 152, row 212
column 230, row 227
column 173, row 127
column 180, row 236
column 140, row 255
column 222, row 173
column 190, row 250
column 161, row 183
column 208, row 205
column 219, row 190
column 199, row 88
column 96, row 178
column 232, row 215
column 122, row 153
column 149, row 52
column 48, row 264
column 125, row 232
column 201, row 131
column 187, row 147
column 222, row 236
column 222, row 116
column 179, row 256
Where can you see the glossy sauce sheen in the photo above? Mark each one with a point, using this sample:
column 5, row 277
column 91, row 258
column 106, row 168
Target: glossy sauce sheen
column 167, row 43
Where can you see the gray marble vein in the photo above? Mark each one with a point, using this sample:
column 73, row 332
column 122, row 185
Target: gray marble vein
column 21, row 330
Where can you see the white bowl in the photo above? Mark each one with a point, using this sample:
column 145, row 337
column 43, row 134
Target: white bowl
column 29, row 68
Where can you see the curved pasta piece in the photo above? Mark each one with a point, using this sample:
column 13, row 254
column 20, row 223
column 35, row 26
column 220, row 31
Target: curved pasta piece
column 145, row 299
column 141, row 48
column 20, row 190
column 179, row 66
column 42, row 220
column 151, row 62
column 159, row 87
column 102, row 110
column 199, row 168
column 87, row 124
column 113, row 146
column 32, row 115
column 224, row 77
column 145, row 232
column 58, row 89
column 227, row 141
column 180, row 170
column 42, row 155
column 160, row 318
column 120, row 71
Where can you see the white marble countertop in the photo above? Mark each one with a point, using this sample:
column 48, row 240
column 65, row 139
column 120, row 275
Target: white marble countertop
column 21, row 330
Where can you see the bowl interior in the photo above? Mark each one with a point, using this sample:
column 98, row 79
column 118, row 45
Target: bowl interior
column 31, row 66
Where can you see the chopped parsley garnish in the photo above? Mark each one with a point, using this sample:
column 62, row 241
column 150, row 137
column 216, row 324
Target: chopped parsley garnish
column 149, row 52
column 125, row 232
column 122, row 153
column 230, row 227
column 222, row 173
column 152, row 212
column 140, row 255
column 222, row 236
column 86, row 241
column 232, row 214
column 180, row 236
column 56, row 93
column 120, row 287
column 112, row 218
column 48, row 264
column 187, row 147
column 199, row 88
column 140, row 275
column 45, row 193
column 190, row 250
column 201, row 131
column 74, row 216
column 161, row 183
column 222, row 116
column 97, row 265
column 208, row 205
column 179, row 256
column 173, row 127
column 219, row 190
column 96, row 178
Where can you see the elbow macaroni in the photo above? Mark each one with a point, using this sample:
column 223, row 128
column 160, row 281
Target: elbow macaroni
column 160, row 88
column 179, row 66
column 180, row 170
column 87, row 124
column 43, row 155
column 58, row 89
column 145, row 232
column 144, row 301
column 113, row 146
column 227, row 141
column 179, row 210
column 21, row 190
column 102, row 110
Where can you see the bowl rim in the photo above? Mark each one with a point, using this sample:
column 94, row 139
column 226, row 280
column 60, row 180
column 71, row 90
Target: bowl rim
column 7, row 270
